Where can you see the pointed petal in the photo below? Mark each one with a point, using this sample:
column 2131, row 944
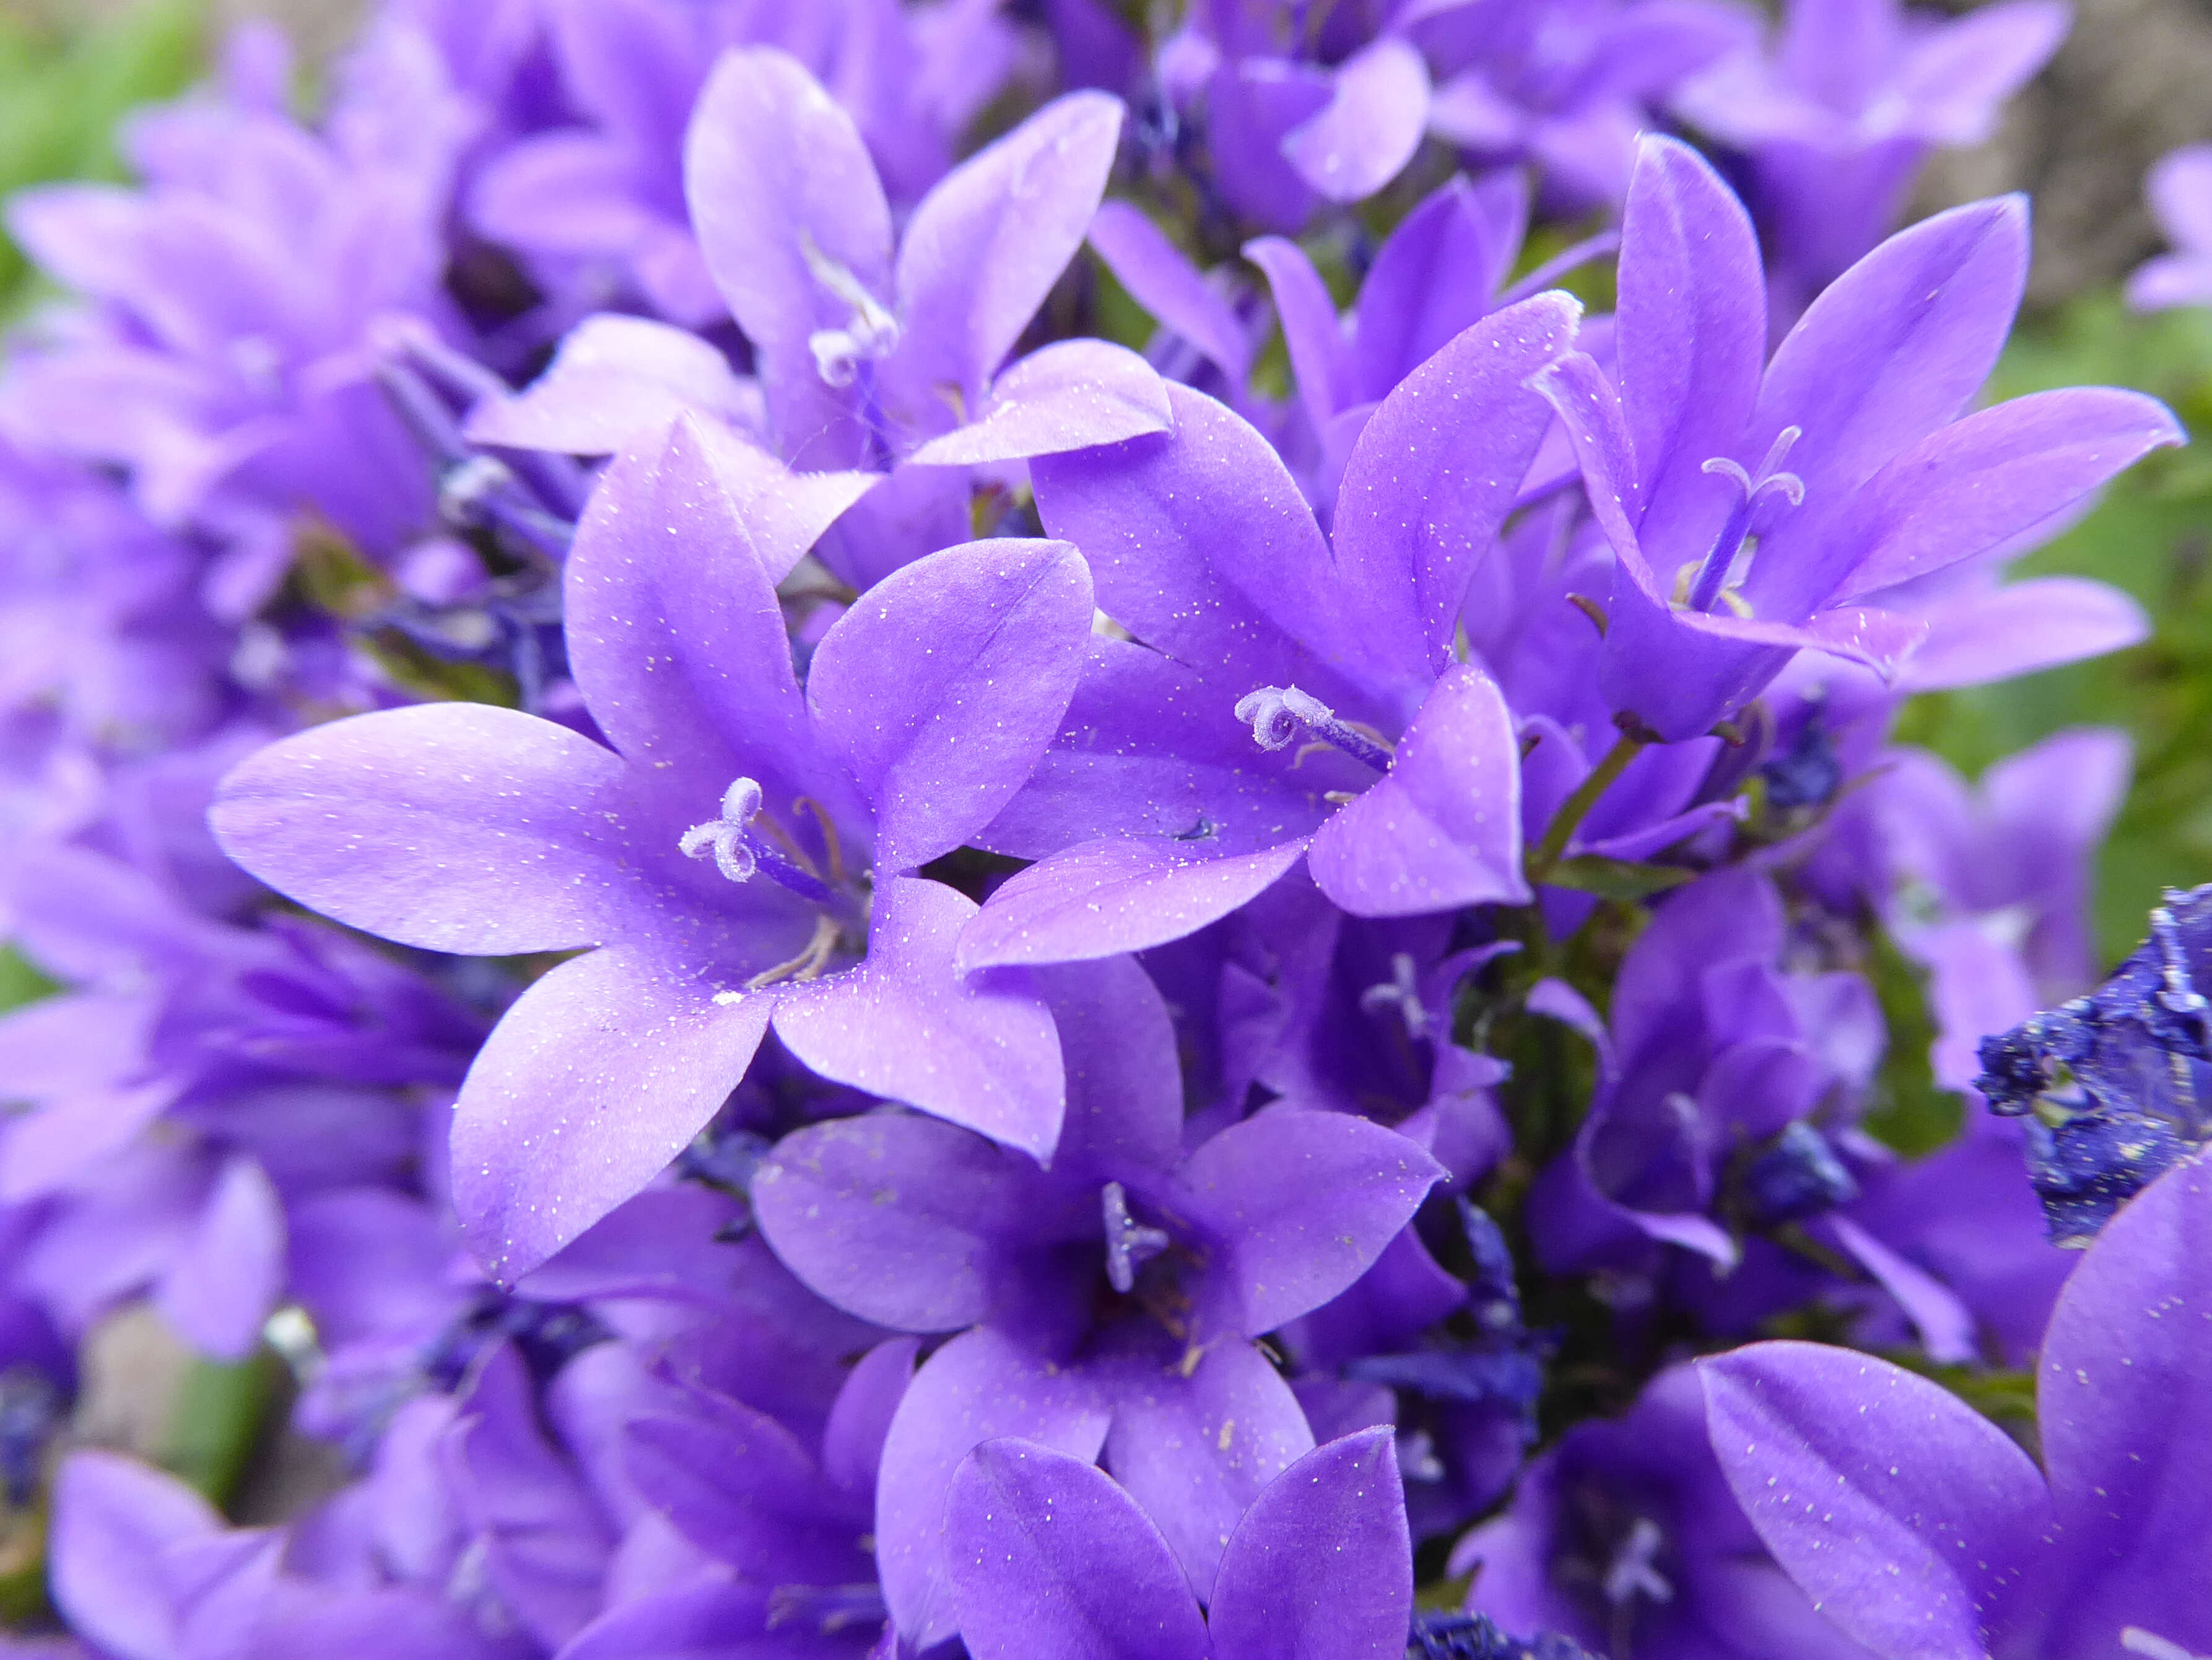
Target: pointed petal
column 987, row 243
column 1435, row 275
column 1443, row 829
column 1311, row 332
column 1912, row 1521
column 860, row 1416
column 740, row 1488
column 2020, row 627
column 598, row 1076
column 1116, row 894
column 942, row 684
column 980, row 1052
column 219, row 1289
column 1371, row 127
column 1325, row 1548
column 114, row 1521
column 454, row 827
column 1432, row 477
column 1165, row 283
column 615, row 380
column 978, row 1387
column 1303, row 1203
column 2132, row 1476
column 1067, row 396
column 1051, row 1560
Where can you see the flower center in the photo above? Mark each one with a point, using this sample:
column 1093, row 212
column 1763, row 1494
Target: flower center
column 1279, row 713
column 1403, row 992
column 874, row 332
column 1129, row 1243
column 1706, row 584
column 1634, row 1572
column 1798, row 1175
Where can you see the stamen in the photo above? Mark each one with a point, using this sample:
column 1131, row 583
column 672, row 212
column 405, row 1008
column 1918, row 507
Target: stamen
column 1129, row 1243
column 1279, row 713
column 872, row 333
column 1401, row 991
column 809, row 962
column 1631, row 1573
column 725, row 837
column 1705, row 586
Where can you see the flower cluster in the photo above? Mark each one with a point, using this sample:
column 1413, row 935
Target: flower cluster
column 941, row 829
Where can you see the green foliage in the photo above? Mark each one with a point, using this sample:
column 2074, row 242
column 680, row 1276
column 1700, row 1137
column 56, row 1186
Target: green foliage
column 1911, row 1111
column 222, row 1410
column 65, row 86
column 2152, row 535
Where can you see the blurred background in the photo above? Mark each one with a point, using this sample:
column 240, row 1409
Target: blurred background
column 2133, row 82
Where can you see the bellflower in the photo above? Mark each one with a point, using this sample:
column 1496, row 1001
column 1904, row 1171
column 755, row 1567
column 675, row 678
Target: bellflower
column 733, row 853
column 1109, row 1301
column 1050, row 1556
column 2180, row 191
column 1920, row 1528
column 1837, row 113
column 871, row 351
column 2116, row 1085
column 1757, row 508
column 1284, row 694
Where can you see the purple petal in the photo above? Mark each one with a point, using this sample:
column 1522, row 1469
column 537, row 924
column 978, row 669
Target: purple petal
column 783, row 195
column 1430, row 481
column 2016, row 629
column 1051, row 1560
column 1324, row 1549
column 1891, row 351
column 1311, row 332
column 1120, row 893
column 1979, row 481
column 1443, row 829
column 1955, row 77
column 1194, row 1444
column 1370, row 126
column 713, row 1620
column 1165, row 283
column 1125, row 1087
column 1693, row 328
column 1303, row 1203
column 739, row 1486
column 598, row 1076
column 1435, row 275
column 1067, row 396
column 860, row 1416
column 115, row 1521
column 1912, row 1521
column 980, row 1053
column 986, row 245
column 2131, row 1339
column 615, row 380
column 894, row 1218
column 1251, row 106
column 1944, row 1324
column 978, row 1387
column 220, row 1288
column 450, row 826
column 942, row 684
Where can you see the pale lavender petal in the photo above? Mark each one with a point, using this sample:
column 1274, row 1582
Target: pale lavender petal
column 942, row 683
column 1051, row 1560
column 1956, row 77
column 592, row 1082
column 1067, row 396
column 1370, row 126
column 977, row 1387
column 2015, row 628
column 452, row 826
column 1911, row 1520
column 2127, row 1353
column 1116, row 894
column 1311, row 332
column 987, row 244
column 1443, row 829
column 1165, row 282
column 114, row 1521
column 219, row 1290
column 1303, row 1203
column 1324, row 1549
column 980, row 1052
column 615, row 380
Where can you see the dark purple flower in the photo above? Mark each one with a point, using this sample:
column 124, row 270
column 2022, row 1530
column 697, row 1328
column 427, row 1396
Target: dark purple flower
column 733, row 853
column 1921, row 1528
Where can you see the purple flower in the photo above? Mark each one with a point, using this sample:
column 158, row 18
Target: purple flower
column 1108, row 1301
column 1922, row 1530
column 734, row 853
column 1283, row 694
column 2180, row 189
column 1050, row 1557
column 2114, row 1087
column 1625, row 1538
column 1838, row 113
column 1759, row 508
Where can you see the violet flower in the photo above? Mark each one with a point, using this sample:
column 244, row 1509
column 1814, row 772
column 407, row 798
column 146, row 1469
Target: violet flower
column 1920, row 1528
column 2180, row 191
column 1838, row 112
column 735, row 852
column 1284, row 694
column 1759, row 508
column 1050, row 1557
column 1110, row 1301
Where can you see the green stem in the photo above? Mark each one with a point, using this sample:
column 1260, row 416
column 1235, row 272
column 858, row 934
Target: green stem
column 1576, row 807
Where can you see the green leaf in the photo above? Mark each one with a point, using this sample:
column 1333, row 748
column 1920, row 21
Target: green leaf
column 1618, row 879
column 1911, row 1113
column 20, row 982
column 216, row 1422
